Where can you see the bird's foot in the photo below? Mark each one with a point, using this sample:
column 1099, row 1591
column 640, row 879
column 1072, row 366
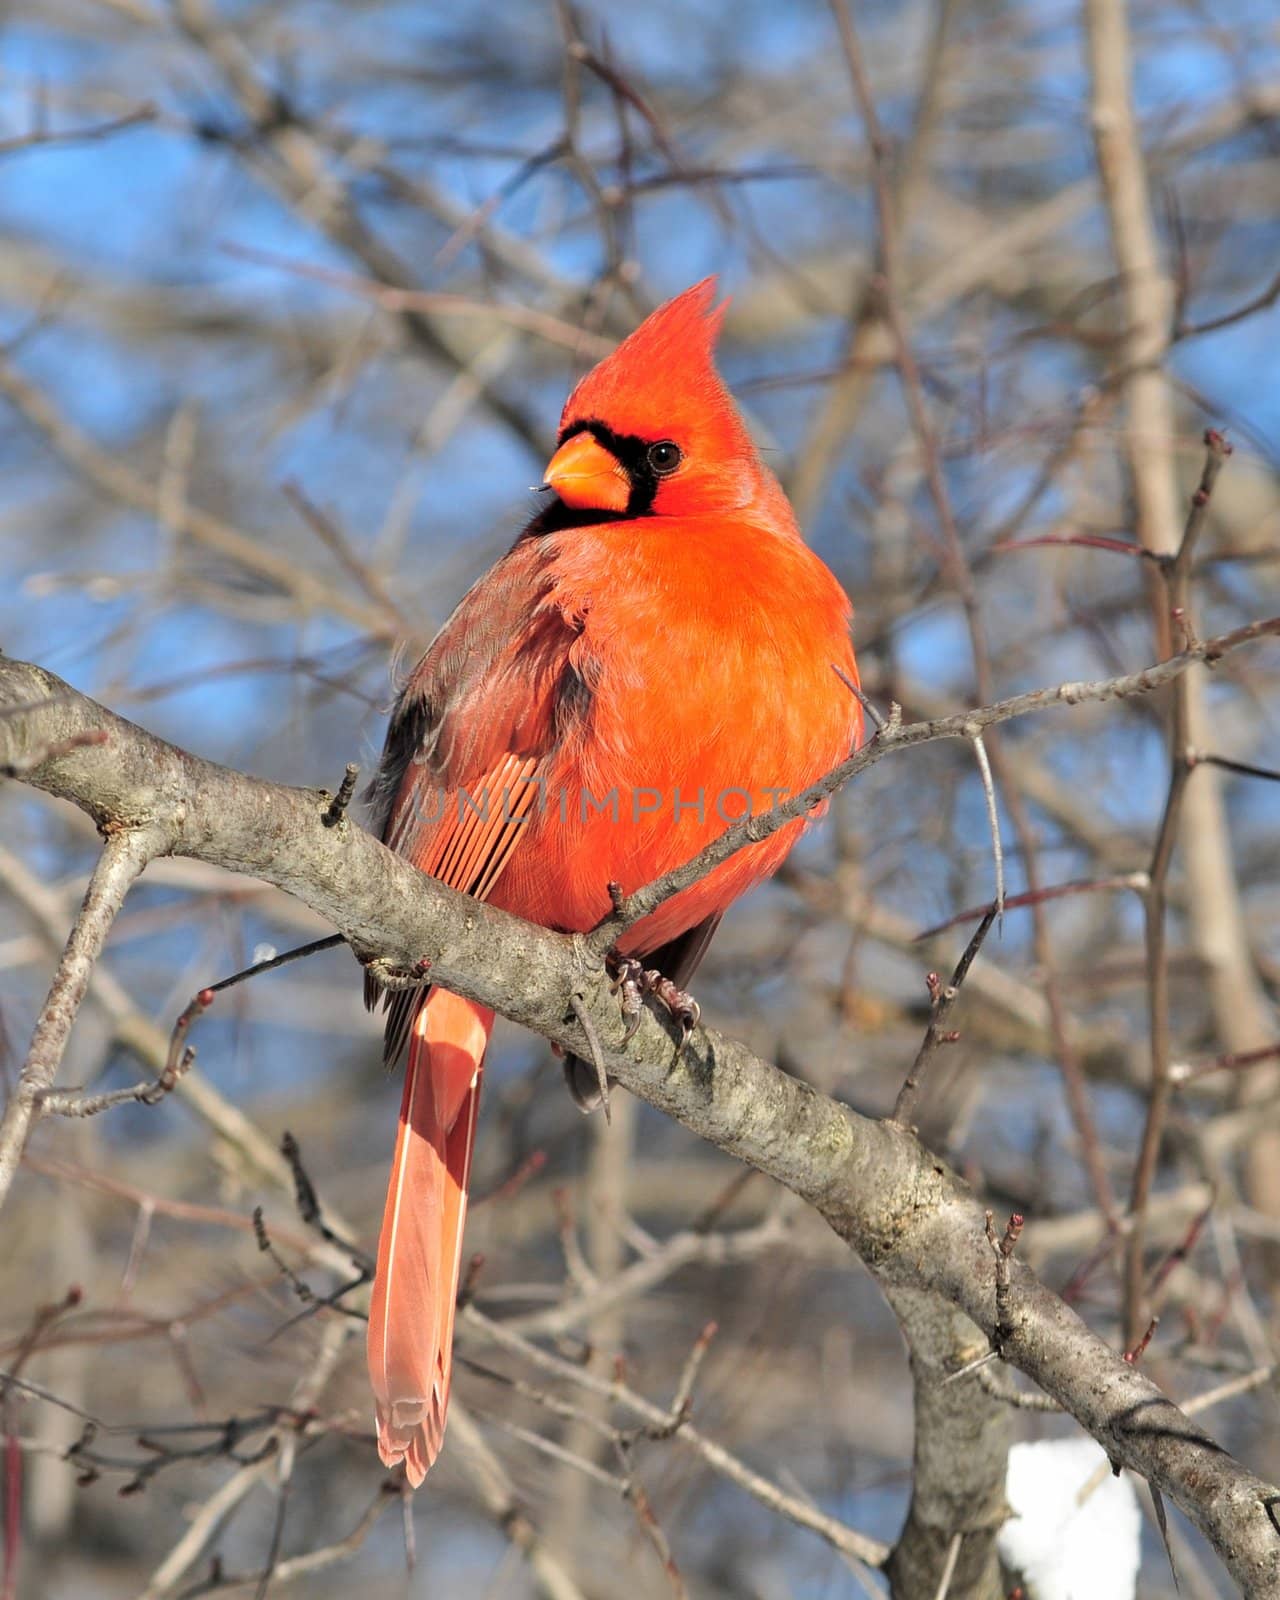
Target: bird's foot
column 387, row 975
column 633, row 981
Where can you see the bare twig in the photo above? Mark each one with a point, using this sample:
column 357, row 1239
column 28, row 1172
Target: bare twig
column 1260, row 302
column 836, row 1533
column 124, row 856
column 1009, row 1396
column 55, row 1103
column 338, row 805
column 1175, row 578
column 942, row 999
column 993, row 820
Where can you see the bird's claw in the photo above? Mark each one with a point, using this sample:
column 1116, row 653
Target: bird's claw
column 633, row 981
column 387, row 975
column 629, row 982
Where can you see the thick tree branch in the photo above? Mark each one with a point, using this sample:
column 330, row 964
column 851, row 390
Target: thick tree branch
column 959, row 1461
column 905, row 1213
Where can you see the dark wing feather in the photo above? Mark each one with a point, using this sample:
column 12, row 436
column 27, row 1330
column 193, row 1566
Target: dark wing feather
column 681, row 957
column 476, row 718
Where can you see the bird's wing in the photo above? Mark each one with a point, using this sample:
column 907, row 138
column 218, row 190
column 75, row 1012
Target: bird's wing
column 468, row 737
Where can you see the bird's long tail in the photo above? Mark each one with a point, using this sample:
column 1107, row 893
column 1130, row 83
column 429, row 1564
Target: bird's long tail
column 420, row 1249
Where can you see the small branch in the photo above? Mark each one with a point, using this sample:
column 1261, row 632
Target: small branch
column 1246, row 769
column 843, row 1538
column 1082, row 541
column 993, row 819
column 682, row 1400
column 1245, row 1384
column 1260, row 302
column 1139, row 1350
column 253, row 554
column 1234, row 1061
column 1137, row 881
column 878, row 722
column 1217, row 449
column 150, row 1092
column 942, row 1000
column 93, row 133
column 498, row 1495
column 338, row 805
column 124, row 856
column 331, row 536
column 1175, row 574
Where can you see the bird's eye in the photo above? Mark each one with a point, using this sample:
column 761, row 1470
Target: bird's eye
column 664, row 457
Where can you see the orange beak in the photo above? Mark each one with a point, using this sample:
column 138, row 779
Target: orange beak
column 588, row 477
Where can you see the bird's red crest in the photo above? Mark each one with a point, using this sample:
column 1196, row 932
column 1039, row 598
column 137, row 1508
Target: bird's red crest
column 664, row 372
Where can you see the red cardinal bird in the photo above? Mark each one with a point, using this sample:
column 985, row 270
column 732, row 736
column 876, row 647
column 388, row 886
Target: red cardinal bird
column 654, row 654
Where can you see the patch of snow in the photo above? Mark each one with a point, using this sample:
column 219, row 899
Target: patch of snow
column 1065, row 1539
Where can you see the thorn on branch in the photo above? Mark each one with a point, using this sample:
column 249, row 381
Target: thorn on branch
column 597, row 1056
column 338, row 804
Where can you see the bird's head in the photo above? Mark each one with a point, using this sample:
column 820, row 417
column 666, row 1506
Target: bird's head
column 652, row 431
